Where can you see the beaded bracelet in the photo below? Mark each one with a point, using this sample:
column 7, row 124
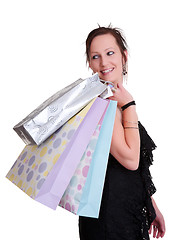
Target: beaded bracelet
column 128, row 105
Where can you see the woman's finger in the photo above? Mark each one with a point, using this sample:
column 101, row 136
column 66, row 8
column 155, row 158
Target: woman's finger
column 162, row 233
column 112, row 98
column 159, row 234
column 155, row 229
column 119, row 85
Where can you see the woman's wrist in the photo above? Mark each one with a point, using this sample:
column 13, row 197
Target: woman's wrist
column 130, row 117
column 131, row 103
column 154, row 205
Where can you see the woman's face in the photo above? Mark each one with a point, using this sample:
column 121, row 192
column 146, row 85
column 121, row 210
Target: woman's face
column 106, row 58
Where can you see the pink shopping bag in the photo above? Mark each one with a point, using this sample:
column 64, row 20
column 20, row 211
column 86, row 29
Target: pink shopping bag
column 57, row 181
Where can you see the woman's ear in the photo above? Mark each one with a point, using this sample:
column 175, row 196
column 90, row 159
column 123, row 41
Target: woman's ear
column 126, row 56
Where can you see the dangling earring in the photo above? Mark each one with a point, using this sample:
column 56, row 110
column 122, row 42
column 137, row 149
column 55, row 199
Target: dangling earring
column 124, row 72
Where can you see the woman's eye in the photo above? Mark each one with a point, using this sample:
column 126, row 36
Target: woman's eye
column 95, row 57
column 110, row 53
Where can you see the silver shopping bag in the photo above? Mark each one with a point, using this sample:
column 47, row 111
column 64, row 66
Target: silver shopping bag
column 58, row 109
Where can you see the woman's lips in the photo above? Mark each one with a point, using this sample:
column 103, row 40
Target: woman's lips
column 107, row 71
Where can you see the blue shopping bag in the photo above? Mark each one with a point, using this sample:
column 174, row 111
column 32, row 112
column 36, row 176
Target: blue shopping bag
column 92, row 193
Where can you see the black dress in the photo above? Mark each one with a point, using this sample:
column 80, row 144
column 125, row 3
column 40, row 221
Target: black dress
column 126, row 211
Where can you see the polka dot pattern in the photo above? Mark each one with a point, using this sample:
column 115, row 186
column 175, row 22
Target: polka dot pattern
column 23, row 156
column 42, row 167
column 31, row 161
column 71, row 198
column 35, row 162
column 57, row 143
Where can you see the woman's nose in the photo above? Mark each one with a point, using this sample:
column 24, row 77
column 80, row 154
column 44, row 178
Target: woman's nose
column 103, row 61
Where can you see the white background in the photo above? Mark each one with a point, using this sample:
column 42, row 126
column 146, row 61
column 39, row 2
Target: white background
column 42, row 50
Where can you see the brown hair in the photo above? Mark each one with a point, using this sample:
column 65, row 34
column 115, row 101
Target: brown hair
column 115, row 32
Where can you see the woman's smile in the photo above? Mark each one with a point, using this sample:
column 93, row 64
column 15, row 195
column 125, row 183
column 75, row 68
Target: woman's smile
column 107, row 71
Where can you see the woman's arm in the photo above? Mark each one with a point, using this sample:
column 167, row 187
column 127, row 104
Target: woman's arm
column 125, row 146
column 158, row 225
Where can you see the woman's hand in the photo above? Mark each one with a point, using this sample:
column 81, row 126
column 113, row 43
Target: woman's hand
column 121, row 95
column 158, row 225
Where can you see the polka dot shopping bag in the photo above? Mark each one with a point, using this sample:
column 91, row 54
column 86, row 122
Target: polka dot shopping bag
column 44, row 172
column 71, row 198
column 84, row 192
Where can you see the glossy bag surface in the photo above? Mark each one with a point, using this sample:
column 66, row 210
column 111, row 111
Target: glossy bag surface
column 58, row 109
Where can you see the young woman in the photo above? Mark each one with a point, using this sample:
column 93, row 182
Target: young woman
column 127, row 211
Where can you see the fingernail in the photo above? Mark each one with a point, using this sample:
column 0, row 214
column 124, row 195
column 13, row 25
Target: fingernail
column 113, row 89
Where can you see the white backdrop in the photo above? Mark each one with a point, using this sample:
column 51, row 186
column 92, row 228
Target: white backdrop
column 42, row 50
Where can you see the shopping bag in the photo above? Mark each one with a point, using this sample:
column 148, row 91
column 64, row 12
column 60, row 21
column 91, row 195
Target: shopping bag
column 81, row 199
column 58, row 109
column 57, row 181
column 71, row 197
column 49, row 187
column 92, row 193
column 35, row 162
